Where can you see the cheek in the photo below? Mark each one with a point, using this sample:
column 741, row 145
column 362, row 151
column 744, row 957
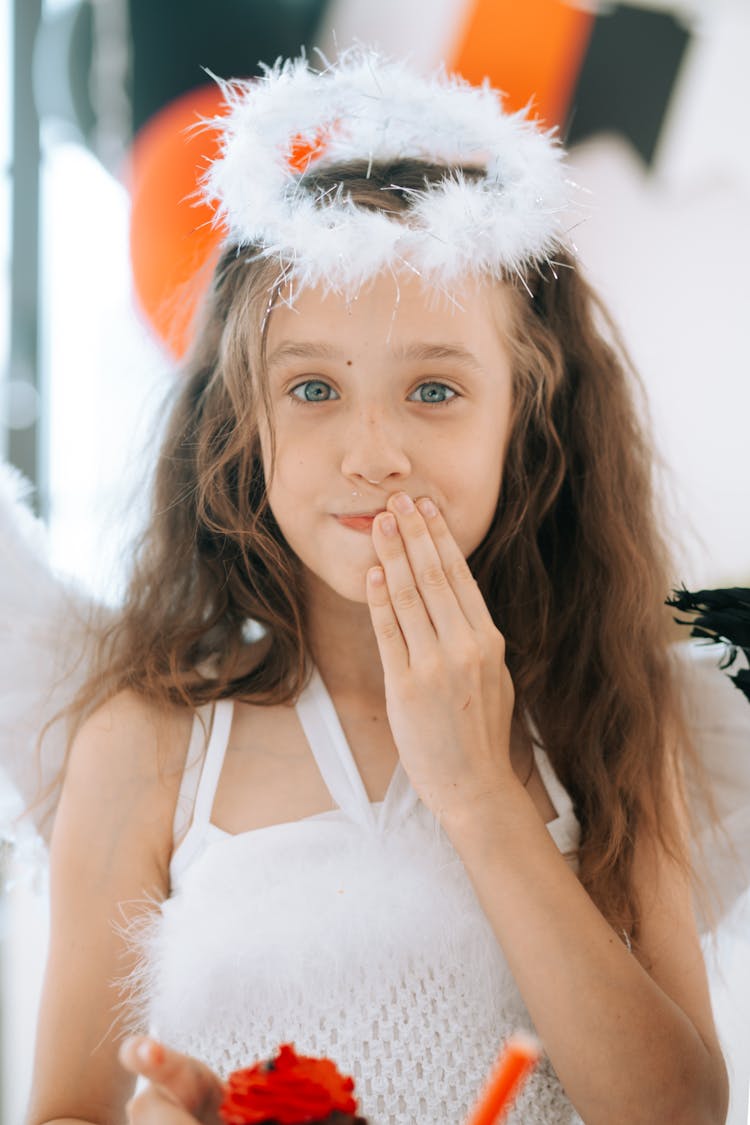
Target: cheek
column 471, row 486
column 291, row 470
column 294, row 462
column 473, row 468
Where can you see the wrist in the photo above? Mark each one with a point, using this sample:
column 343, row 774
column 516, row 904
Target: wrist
column 478, row 818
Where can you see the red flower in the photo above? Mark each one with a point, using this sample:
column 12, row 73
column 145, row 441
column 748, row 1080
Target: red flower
column 290, row 1089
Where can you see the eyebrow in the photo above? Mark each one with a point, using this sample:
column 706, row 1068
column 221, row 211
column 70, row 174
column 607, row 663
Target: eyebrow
column 410, row 353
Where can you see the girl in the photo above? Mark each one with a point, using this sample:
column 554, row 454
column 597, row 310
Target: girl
column 437, row 795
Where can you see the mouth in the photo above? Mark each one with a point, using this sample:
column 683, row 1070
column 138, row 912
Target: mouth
column 361, row 521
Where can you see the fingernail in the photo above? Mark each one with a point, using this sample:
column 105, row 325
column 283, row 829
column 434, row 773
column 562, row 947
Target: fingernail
column 403, row 503
column 427, row 508
column 387, row 524
column 150, row 1052
column 376, row 576
column 143, row 1051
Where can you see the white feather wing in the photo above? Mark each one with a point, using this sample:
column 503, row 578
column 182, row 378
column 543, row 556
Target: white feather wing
column 45, row 655
column 719, row 722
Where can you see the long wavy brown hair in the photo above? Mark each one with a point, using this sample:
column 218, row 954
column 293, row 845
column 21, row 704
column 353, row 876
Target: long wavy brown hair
column 573, row 569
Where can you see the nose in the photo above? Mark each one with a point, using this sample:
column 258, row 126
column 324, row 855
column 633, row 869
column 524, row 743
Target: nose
column 374, row 448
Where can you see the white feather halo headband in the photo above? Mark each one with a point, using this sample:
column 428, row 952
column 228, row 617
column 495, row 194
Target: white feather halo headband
column 364, row 108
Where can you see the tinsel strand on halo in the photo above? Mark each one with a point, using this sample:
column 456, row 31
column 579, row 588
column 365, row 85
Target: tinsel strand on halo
column 722, row 617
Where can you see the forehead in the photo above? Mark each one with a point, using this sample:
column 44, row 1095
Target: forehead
column 396, row 316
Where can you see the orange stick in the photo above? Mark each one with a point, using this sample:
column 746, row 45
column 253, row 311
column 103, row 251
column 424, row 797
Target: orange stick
column 517, row 1059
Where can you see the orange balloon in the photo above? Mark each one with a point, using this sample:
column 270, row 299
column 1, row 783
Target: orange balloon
column 303, row 153
column 533, row 50
column 173, row 242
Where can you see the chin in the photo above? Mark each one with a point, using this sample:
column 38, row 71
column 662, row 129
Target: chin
column 351, row 589
column 347, row 584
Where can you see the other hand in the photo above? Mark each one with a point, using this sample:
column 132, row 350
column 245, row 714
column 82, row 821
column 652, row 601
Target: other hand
column 181, row 1090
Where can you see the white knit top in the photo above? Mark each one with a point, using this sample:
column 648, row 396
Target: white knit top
column 353, row 933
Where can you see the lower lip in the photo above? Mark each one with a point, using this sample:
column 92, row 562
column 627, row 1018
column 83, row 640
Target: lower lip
column 357, row 523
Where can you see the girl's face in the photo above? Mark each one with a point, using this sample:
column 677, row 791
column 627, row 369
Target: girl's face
column 380, row 395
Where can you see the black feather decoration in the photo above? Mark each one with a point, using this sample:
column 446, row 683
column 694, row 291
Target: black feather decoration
column 723, row 617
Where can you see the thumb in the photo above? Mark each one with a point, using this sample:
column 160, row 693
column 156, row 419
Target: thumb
column 190, row 1082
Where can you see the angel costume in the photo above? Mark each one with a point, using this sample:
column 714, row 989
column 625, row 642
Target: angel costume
column 354, row 934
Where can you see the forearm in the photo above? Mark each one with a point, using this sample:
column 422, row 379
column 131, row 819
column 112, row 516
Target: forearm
column 623, row 1050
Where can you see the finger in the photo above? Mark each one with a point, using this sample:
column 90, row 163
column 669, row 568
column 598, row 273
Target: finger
column 195, row 1087
column 462, row 581
column 447, row 616
column 154, row 1106
column 391, row 644
column 406, row 600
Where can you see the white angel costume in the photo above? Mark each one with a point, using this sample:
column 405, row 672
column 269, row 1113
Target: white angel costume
column 354, row 934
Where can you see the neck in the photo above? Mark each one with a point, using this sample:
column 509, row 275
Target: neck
column 343, row 644
column 346, row 655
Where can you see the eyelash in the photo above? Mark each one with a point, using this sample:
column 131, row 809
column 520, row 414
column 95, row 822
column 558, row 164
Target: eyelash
column 300, row 401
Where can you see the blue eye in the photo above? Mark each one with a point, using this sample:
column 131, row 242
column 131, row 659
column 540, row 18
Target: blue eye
column 313, row 390
column 433, row 393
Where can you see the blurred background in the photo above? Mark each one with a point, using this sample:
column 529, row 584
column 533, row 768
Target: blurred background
column 103, row 254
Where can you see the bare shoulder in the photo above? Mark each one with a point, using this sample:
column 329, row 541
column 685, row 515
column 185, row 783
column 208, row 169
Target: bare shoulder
column 128, row 719
column 124, row 770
